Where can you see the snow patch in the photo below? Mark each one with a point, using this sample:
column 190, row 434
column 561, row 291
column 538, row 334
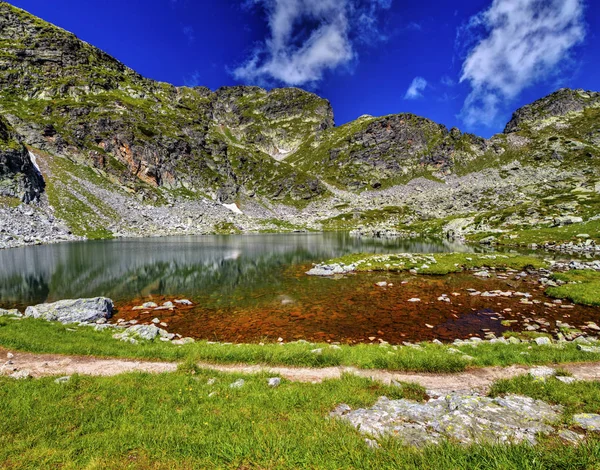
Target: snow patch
column 233, row 208
column 34, row 161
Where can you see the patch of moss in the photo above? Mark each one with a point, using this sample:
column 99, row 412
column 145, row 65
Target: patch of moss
column 583, row 287
column 438, row 263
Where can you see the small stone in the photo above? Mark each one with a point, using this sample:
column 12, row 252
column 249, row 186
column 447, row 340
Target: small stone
column 155, row 321
column 211, row 381
column 542, row 372
column 542, row 341
column 10, row 356
column 570, row 436
column 280, row 340
column 274, row 382
column 238, row 383
column 317, row 351
column 373, row 444
column 589, row 349
column 565, row 379
column 482, row 274
column 587, row 421
column 62, row 380
column 341, row 410
column 183, row 302
column 381, row 284
column 414, row 300
column 20, row 375
column 149, row 305
column 168, row 304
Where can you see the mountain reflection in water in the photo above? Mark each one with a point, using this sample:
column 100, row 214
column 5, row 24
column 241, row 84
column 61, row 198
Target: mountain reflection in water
column 176, row 266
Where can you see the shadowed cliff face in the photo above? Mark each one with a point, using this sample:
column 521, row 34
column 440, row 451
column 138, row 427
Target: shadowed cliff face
column 19, row 179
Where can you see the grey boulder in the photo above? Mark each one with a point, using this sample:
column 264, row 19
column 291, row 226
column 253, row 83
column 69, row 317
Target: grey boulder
column 73, row 310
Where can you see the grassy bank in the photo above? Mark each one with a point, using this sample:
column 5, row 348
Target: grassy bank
column 438, row 263
column 583, row 287
column 180, row 421
column 39, row 336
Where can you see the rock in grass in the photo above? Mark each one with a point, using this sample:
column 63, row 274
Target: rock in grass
column 10, row 313
column 543, row 341
column 62, row 380
column 20, row 375
column 542, row 372
column 589, row 349
column 237, row 384
column 463, row 418
column 148, row 332
column 566, row 380
column 274, row 382
column 570, row 436
column 587, row 421
column 73, row 310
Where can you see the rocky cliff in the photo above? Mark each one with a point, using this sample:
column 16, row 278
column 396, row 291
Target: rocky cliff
column 20, row 180
column 121, row 155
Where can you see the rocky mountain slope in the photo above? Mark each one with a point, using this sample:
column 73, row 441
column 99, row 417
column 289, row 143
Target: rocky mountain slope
column 89, row 148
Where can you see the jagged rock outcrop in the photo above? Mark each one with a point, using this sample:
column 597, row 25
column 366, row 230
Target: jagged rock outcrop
column 557, row 104
column 375, row 152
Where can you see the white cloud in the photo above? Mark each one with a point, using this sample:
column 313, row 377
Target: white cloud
column 512, row 45
column 195, row 79
column 189, row 33
column 416, row 88
column 447, row 81
column 309, row 37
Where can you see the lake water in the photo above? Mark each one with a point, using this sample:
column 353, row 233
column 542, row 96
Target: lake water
column 253, row 287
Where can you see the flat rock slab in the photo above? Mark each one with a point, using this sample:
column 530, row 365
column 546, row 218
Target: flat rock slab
column 73, row 310
column 465, row 418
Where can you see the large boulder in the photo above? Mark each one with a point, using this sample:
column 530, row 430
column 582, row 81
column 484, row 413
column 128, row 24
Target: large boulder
column 73, row 311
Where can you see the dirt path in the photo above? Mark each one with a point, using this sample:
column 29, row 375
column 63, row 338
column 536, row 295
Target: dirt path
column 39, row 365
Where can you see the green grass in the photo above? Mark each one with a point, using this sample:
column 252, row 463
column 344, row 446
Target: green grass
column 7, row 201
column 578, row 397
column 543, row 235
column 583, row 287
column 438, row 263
column 39, row 336
column 179, row 421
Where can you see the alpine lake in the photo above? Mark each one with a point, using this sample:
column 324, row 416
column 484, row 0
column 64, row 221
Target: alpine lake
column 253, row 288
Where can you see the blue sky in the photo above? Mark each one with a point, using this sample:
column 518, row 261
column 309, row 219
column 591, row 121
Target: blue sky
column 467, row 64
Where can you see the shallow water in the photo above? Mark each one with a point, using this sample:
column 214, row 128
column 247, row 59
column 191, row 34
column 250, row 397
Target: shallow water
column 253, row 288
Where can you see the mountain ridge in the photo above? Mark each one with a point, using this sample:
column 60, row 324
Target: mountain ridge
column 108, row 139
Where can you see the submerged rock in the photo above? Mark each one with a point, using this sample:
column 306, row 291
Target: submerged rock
column 73, row 311
column 467, row 419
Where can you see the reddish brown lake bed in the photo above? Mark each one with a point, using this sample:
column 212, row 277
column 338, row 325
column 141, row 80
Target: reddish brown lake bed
column 353, row 309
